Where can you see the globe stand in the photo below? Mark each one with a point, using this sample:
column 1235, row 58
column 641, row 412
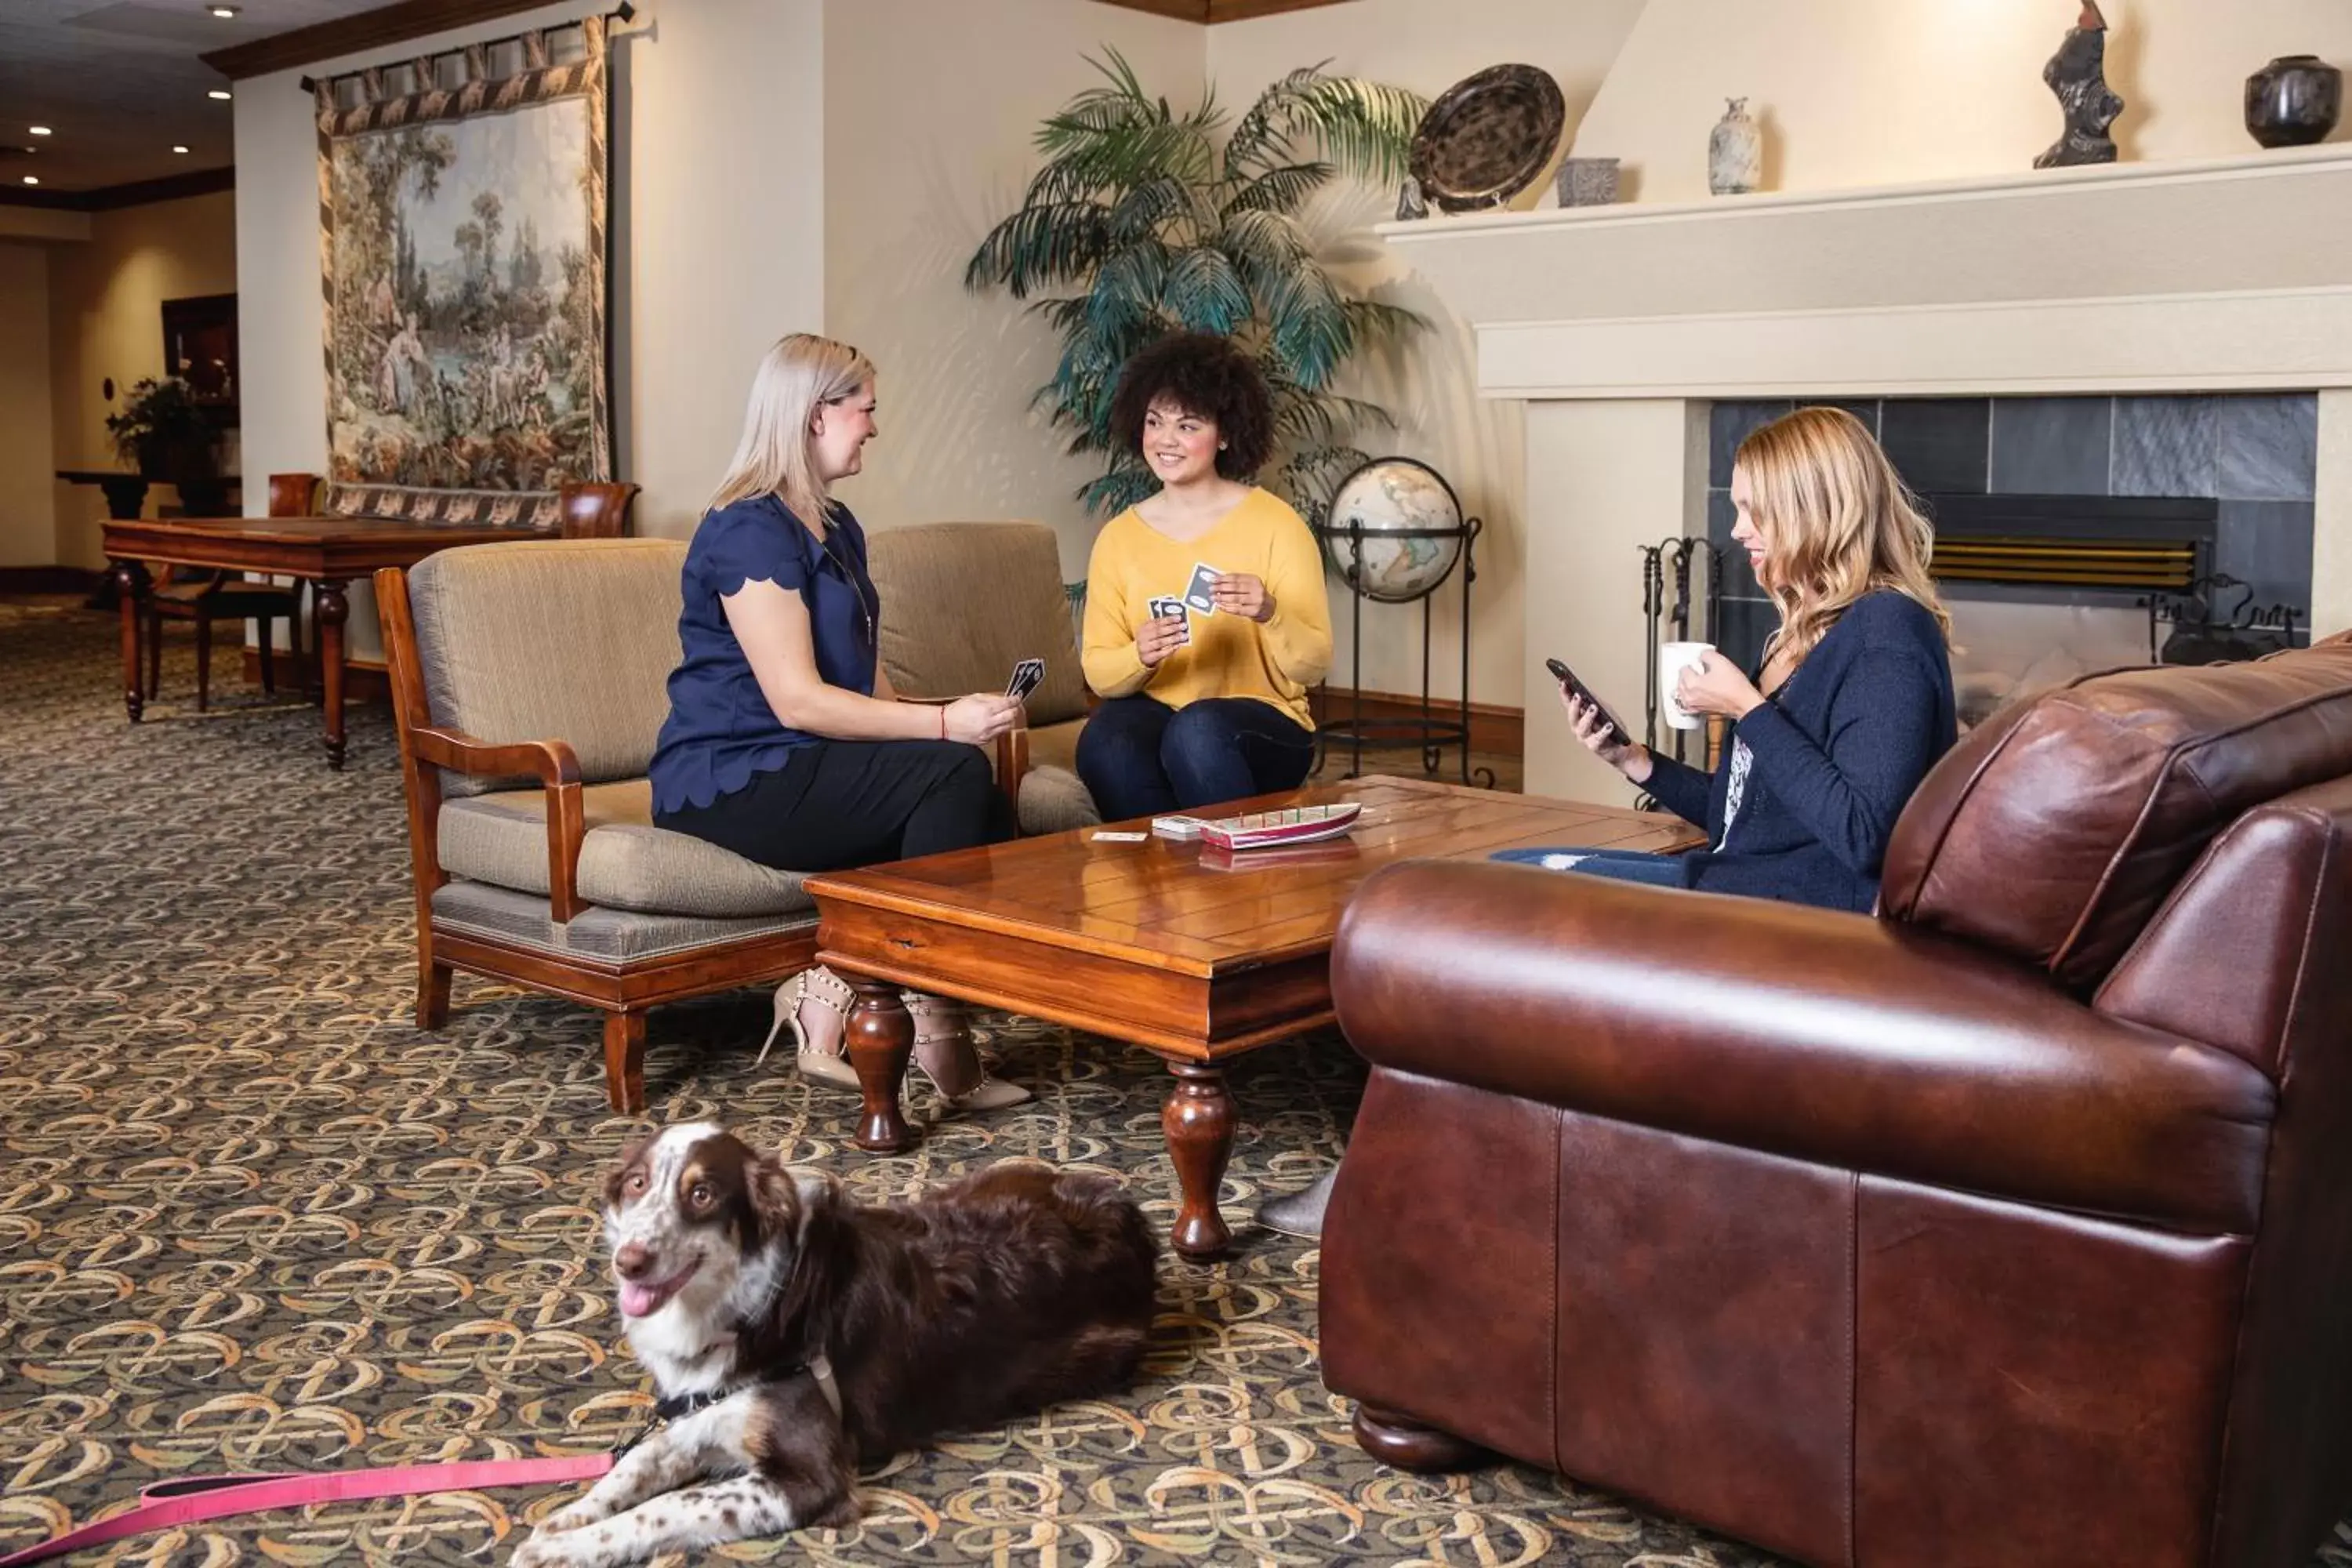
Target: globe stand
column 1429, row 731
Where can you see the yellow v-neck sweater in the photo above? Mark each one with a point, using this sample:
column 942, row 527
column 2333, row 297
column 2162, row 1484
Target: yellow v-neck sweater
column 1231, row 656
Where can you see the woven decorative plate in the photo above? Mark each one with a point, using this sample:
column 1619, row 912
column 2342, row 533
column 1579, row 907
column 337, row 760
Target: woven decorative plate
column 1488, row 137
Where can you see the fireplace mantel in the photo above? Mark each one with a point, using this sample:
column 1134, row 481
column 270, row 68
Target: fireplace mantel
column 2214, row 275
column 1619, row 325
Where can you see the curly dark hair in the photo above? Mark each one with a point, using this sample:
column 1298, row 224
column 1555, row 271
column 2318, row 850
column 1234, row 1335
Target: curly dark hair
column 1206, row 375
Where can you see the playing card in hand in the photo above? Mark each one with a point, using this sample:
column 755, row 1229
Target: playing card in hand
column 1026, row 677
column 1172, row 604
column 1200, row 592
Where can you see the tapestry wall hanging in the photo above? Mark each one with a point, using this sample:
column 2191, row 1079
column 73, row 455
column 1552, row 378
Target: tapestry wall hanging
column 463, row 203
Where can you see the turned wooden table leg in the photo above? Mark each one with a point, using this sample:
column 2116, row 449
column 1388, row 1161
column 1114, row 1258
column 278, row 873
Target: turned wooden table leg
column 333, row 610
column 881, row 1039
column 1198, row 1121
column 131, row 597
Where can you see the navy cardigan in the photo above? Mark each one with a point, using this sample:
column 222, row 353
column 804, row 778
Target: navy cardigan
column 1835, row 754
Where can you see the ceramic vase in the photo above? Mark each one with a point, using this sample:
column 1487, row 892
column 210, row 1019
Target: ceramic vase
column 1735, row 153
column 1587, row 181
column 2294, row 101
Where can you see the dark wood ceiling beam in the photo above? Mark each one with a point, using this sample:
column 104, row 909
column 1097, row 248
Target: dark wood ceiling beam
column 408, row 19
column 136, row 194
column 376, row 29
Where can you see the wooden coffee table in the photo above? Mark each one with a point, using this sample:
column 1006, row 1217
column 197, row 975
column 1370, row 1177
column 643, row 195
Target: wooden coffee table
column 1193, row 955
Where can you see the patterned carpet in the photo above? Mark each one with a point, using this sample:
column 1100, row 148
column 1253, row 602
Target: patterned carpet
column 249, row 1218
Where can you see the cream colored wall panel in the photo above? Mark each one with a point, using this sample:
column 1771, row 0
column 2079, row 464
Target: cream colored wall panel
column 1603, row 478
column 27, row 516
column 1861, row 92
column 2331, row 558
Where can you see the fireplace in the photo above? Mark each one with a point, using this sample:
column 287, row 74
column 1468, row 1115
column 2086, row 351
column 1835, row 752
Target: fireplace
column 2063, row 523
column 2100, row 332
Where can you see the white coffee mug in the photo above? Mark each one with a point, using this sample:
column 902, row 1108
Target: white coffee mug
column 1673, row 658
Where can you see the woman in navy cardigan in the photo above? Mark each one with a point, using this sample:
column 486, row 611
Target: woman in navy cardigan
column 1851, row 706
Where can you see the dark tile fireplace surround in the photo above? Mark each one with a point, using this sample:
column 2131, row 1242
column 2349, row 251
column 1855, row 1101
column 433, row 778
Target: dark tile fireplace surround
column 2253, row 457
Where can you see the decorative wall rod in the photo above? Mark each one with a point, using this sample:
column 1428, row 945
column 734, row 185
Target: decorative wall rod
column 624, row 12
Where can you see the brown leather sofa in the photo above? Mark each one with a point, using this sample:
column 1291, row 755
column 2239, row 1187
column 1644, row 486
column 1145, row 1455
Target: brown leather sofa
column 2011, row 1227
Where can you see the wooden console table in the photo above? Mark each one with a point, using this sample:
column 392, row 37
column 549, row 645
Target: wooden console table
column 326, row 552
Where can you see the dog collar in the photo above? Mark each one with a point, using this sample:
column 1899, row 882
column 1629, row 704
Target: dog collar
column 678, row 1407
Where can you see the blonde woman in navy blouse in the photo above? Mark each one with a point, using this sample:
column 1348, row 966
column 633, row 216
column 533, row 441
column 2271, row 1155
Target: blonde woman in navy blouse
column 784, row 741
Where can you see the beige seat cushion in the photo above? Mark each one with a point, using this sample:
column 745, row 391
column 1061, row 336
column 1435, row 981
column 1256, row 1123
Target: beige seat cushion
column 1056, row 745
column 625, row 862
column 1053, row 800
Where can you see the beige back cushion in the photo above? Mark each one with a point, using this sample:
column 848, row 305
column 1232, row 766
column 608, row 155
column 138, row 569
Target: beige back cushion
column 962, row 602
column 553, row 639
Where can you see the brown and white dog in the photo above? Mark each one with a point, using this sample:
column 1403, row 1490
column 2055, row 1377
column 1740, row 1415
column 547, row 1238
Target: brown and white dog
column 793, row 1333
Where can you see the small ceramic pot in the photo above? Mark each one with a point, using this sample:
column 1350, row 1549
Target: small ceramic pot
column 2294, row 101
column 1587, row 181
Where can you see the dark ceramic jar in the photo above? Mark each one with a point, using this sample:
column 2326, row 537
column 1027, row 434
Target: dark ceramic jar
column 2294, row 100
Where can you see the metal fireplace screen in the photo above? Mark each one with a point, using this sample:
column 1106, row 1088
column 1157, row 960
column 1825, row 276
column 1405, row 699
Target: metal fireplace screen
column 2127, row 544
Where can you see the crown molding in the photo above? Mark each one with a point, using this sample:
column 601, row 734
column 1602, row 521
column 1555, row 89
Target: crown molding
column 136, row 194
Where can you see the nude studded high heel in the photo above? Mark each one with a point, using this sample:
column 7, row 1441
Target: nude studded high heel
column 945, row 1055
column 821, row 1041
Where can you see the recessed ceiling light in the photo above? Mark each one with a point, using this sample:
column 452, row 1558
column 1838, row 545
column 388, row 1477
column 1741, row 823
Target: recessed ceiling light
column 40, row 131
column 178, row 149
column 32, row 179
column 223, row 12
column 219, row 93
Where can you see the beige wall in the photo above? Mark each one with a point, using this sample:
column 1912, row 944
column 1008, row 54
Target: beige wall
column 106, row 319
column 718, row 207
column 1432, row 389
column 1861, row 92
column 930, row 112
column 28, row 523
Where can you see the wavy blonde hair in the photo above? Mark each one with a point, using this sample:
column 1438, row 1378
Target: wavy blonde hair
column 776, row 456
column 1837, row 523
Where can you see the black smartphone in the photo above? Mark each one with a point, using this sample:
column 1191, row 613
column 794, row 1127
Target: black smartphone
column 1567, row 678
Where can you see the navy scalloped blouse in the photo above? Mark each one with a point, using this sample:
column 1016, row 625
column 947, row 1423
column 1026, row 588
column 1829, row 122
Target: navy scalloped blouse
column 720, row 730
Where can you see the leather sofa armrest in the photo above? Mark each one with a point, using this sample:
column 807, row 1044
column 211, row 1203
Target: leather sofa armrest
column 1821, row 1036
column 556, row 767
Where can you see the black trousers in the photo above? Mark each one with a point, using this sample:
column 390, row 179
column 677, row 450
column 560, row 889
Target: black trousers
column 841, row 804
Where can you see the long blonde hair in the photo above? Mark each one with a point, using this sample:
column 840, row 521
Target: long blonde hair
column 774, row 457
column 1837, row 523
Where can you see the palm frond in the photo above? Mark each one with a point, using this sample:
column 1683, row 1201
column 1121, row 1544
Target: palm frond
column 1283, row 189
column 1260, row 137
column 1205, row 293
column 1304, row 324
column 1310, row 478
column 1365, row 127
column 1149, row 204
column 1038, row 246
column 1120, row 158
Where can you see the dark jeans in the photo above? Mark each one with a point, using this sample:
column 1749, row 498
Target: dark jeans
column 1141, row 758
column 1617, row 865
column 839, row 804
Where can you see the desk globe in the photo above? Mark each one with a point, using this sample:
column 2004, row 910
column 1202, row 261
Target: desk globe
column 1394, row 531
column 1412, row 528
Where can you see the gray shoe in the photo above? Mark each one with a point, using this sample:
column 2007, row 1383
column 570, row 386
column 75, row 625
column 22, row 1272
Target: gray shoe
column 1301, row 1213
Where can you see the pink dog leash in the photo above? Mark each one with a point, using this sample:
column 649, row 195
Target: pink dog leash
column 195, row 1498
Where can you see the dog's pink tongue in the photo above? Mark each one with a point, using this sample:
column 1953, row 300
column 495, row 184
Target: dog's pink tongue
column 636, row 1300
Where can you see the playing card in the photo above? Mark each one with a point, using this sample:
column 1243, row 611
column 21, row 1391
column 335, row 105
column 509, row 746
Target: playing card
column 1201, row 594
column 1172, row 604
column 1026, row 677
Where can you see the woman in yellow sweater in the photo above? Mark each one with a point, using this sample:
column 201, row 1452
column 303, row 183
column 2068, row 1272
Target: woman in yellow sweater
column 1201, row 706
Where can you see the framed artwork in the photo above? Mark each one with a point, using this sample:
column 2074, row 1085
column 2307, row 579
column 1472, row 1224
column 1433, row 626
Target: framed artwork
column 200, row 348
column 463, row 200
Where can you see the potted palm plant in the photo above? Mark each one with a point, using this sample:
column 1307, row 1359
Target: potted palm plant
column 164, row 434
column 1143, row 221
